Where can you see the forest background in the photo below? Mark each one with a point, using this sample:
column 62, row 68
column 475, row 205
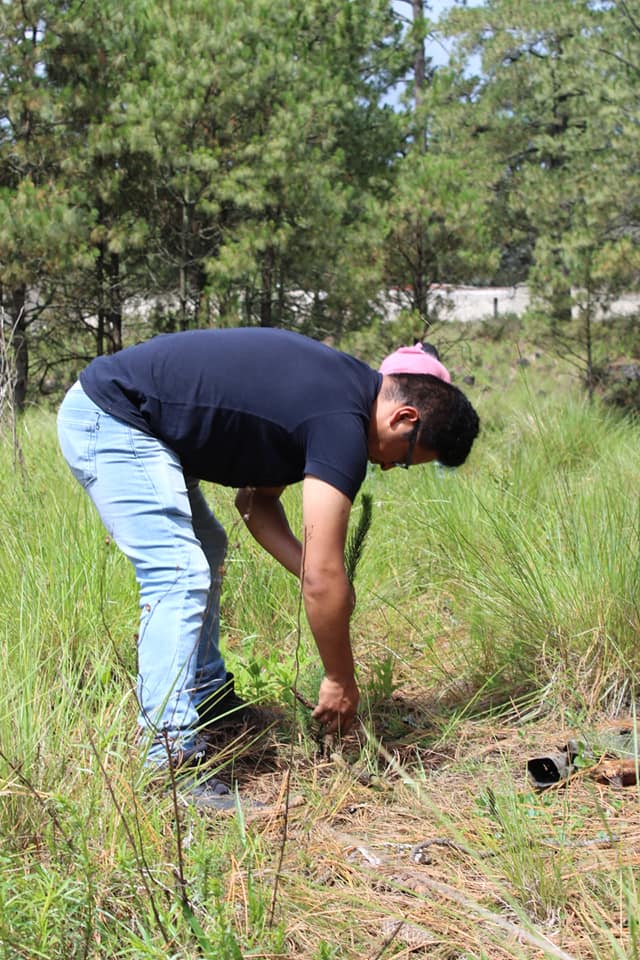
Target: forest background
column 192, row 164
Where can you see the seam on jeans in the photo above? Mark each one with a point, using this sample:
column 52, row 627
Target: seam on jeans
column 184, row 553
column 92, row 463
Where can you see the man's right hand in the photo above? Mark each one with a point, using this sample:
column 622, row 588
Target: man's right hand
column 337, row 705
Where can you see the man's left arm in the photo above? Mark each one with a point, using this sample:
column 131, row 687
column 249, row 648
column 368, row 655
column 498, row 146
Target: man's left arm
column 265, row 518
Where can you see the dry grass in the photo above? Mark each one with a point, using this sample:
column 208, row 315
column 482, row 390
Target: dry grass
column 351, row 875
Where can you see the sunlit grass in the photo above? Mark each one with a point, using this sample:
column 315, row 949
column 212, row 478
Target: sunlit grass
column 512, row 581
column 542, row 554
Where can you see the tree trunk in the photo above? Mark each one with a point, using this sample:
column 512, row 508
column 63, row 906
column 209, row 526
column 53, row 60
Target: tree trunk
column 419, row 58
column 20, row 346
column 421, row 284
column 588, row 337
column 183, row 279
column 266, row 290
column 100, row 272
column 114, row 316
column 109, row 331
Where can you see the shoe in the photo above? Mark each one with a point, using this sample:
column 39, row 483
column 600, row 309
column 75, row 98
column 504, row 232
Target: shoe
column 209, row 793
column 189, row 756
column 224, row 706
column 206, row 793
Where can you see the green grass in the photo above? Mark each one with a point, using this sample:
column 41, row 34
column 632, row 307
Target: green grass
column 542, row 552
column 503, row 590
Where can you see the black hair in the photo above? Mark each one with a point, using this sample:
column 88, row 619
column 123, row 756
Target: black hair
column 448, row 422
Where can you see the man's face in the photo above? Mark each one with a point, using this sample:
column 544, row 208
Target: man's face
column 396, row 446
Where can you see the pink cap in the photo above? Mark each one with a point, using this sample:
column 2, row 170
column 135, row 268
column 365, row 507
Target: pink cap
column 414, row 360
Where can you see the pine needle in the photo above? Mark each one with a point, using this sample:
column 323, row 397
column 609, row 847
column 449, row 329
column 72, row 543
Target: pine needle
column 357, row 537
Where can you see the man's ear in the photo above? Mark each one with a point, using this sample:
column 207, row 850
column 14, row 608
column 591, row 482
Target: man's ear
column 404, row 414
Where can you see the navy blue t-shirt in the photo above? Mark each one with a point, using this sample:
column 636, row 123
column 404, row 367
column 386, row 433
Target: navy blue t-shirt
column 245, row 407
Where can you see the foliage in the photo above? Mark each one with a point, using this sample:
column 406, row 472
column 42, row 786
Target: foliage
column 552, row 102
column 242, row 181
column 438, row 214
column 265, row 177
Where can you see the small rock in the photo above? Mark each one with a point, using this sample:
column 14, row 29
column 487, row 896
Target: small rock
column 409, row 933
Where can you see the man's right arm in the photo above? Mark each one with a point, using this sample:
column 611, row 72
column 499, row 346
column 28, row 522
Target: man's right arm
column 328, row 600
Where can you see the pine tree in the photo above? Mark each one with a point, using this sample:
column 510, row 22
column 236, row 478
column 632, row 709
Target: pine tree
column 438, row 225
column 556, row 102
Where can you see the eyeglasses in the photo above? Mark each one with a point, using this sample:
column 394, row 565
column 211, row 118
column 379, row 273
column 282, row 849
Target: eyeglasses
column 413, row 436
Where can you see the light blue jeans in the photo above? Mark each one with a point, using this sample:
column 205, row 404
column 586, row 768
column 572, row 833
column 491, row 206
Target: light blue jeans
column 160, row 520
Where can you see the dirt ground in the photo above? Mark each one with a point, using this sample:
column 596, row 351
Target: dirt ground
column 428, row 844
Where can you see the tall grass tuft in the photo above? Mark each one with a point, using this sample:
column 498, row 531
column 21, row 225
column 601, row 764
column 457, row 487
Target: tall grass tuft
column 539, row 540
